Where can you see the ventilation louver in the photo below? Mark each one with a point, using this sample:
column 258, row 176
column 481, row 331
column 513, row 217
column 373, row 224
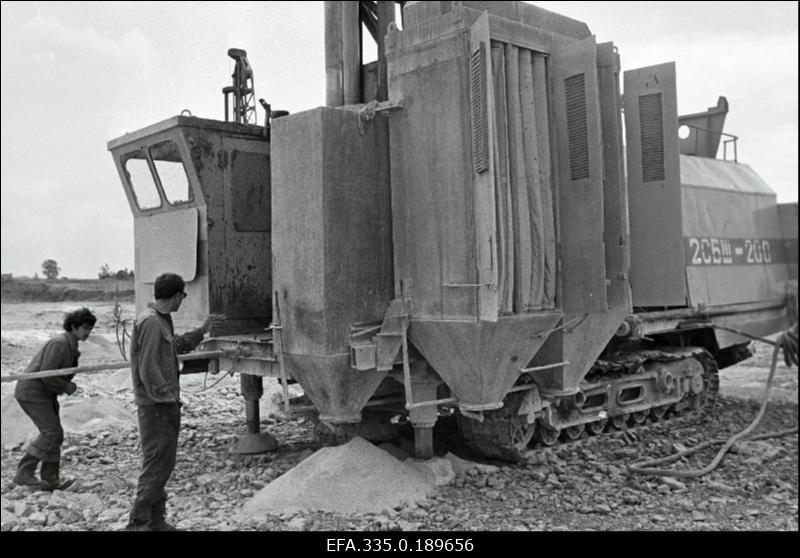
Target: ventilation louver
column 477, row 80
column 577, row 133
column 651, row 128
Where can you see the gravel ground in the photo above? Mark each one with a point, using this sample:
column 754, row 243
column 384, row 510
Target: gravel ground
column 582, row 485
column 578, row 486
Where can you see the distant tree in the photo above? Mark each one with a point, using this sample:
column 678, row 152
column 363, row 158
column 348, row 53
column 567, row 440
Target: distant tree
column 36, row 276
column 50, row 269
column 107, row 273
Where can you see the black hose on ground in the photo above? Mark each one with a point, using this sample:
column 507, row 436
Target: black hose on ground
column 648, row 467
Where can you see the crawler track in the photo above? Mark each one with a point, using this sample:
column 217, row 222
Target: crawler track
column 506, row 434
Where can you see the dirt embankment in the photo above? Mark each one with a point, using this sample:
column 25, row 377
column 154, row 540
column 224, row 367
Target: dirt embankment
column 40, row 290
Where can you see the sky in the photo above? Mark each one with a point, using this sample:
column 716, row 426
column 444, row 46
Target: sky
column 78, row 74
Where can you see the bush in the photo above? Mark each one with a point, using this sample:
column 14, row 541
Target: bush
column 106, row 273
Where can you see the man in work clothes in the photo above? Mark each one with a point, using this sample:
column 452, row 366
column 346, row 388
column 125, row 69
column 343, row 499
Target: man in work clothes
column 38, row 397
column 154, row 368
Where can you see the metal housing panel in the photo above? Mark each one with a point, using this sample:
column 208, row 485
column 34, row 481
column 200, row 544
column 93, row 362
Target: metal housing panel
column 657, row 276
column 415, row 13
column 576, row 124
column 705, row 130
column 701, row 172
column 297, row 231
column 332, row 227
column 485, row 184
column 433, row 214
column 332, row 247
column 733, row 245
column 166, row 242
column 250, row 191
column 616, row 229
column 241, row 273
column 481, row 360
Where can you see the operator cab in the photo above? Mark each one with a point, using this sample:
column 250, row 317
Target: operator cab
column 199, row 191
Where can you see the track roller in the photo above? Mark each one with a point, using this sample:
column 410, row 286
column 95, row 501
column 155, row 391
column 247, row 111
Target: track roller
column 597, row 427
column 573, row 433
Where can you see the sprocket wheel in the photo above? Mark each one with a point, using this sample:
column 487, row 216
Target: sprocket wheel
column 503, row 433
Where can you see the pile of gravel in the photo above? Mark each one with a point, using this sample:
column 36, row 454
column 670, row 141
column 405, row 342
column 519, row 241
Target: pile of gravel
column 356, row 477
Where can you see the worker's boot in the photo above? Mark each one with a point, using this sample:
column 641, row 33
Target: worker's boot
column 161, row 525
column 50, row 475
column 138, row 520
column 26, row 472
column 158, row 513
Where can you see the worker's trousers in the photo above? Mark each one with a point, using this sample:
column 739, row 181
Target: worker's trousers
column 44, row 414
column 158, row 430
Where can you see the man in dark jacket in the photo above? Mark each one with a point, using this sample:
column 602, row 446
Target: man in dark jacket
column 154, row 368
column 39, row 399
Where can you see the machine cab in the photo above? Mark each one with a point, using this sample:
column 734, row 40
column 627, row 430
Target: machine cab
column 199, row 191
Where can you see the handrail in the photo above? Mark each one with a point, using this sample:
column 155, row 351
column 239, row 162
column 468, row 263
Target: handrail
column 725, row 143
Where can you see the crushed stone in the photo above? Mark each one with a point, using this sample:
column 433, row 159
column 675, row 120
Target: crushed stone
column 356, row 477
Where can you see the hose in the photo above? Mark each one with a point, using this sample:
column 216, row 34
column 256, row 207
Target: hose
column 647, row 467
column 228, row 373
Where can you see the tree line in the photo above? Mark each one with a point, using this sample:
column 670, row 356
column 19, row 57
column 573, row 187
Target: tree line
column 51, row 270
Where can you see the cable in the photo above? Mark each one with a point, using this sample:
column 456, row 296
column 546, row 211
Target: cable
column 564, row 326
column 230, row 373
column 118, row 321
column 743, row 334
column 646, row 467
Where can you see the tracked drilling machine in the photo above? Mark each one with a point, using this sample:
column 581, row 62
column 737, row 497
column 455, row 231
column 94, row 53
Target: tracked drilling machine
column 463, row 229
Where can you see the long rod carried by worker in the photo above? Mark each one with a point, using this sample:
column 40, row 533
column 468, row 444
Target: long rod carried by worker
column 95, row 368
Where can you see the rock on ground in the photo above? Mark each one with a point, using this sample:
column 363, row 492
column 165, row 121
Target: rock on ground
column 437, row 470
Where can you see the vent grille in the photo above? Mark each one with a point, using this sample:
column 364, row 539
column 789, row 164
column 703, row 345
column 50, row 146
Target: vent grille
column 577, row 134
column 651, row 128
column 477, row 81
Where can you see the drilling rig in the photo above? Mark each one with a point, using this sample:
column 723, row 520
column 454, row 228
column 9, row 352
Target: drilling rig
column 465, row 228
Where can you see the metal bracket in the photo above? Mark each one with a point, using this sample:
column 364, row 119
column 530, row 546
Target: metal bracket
column 475, row 415
column 277, row 344
column 543, row 367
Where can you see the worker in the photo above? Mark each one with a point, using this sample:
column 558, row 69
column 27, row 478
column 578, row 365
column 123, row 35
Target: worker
column 38, row 397
column 788, row 342
column 154, row 368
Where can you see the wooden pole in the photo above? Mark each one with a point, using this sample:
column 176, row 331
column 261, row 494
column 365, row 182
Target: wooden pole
column 95, row 368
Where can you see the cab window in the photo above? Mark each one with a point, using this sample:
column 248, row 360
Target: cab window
column 171, row 172
column 141, row 181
